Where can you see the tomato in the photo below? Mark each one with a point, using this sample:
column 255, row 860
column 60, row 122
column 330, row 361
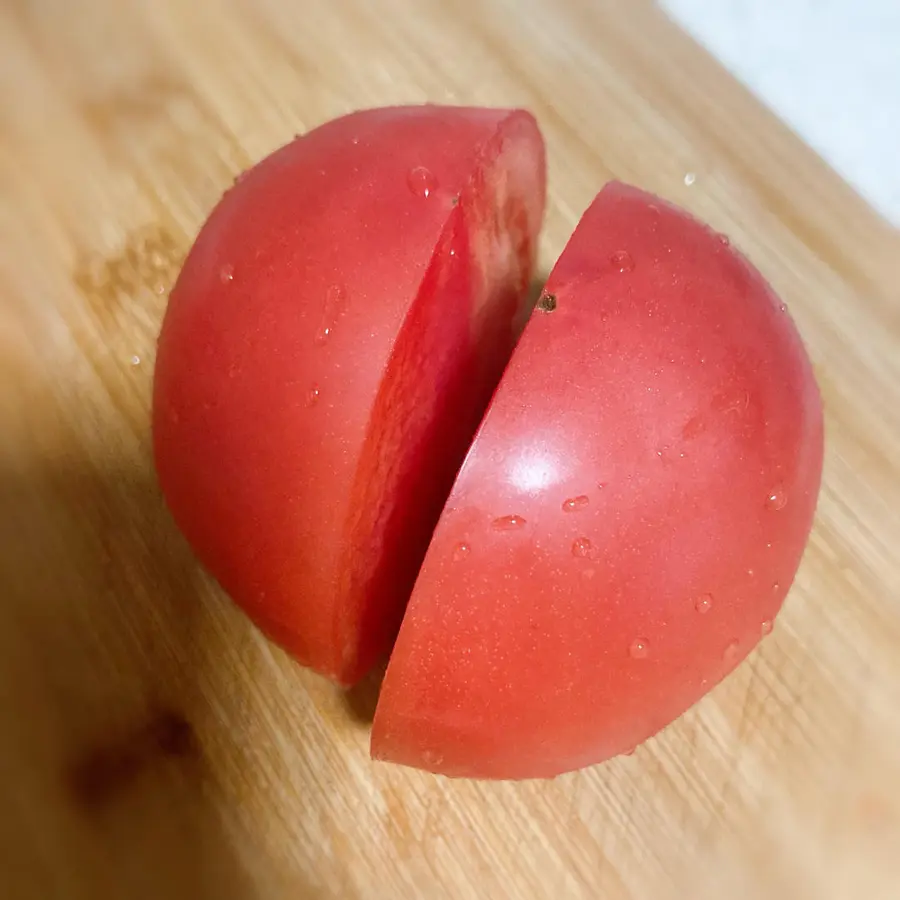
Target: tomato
column 629, row 517
column 326, row 355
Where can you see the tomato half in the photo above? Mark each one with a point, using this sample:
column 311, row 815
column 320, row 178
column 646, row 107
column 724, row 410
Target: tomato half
column 326, row 355
column 629, row 517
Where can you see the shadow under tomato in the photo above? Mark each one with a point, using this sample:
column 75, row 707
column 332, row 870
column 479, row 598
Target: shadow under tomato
column 114, row 693
column 361, row 700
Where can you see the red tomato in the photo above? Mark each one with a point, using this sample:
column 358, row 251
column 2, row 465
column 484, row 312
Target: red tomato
column 327, row 353
column 629, row 517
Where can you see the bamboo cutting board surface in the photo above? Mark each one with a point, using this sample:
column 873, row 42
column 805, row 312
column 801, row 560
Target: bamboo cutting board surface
column 151, row 743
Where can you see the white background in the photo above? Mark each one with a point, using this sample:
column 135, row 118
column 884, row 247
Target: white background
column 829, row 68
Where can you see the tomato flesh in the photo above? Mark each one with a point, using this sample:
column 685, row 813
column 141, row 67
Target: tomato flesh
column 448, row 359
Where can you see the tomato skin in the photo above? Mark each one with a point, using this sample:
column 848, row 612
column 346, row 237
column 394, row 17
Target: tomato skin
column 629, row 517
column 278, row 337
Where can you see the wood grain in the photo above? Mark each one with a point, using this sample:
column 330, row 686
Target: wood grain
column 151, row 743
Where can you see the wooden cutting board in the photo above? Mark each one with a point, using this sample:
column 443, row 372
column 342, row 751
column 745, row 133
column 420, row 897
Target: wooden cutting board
column 151, row 743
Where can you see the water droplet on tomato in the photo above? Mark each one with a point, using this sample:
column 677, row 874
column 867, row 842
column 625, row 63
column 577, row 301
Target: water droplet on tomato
column 724, row 240
column 776, row 587
column 766, row 627
column 639, row 649
column 461, row 551
column 573, row 504
column 312, row 395
column 621, row 261
column 333, row 308
column 776, row 498
column 226, row 273
column 731, row 402
column 581, row 547
column 731, row 652
column 422, row 181
column 703, row 604
column 508, row 523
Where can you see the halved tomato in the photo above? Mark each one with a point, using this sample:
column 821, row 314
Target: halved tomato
column 326, row 355
column 629, row 517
